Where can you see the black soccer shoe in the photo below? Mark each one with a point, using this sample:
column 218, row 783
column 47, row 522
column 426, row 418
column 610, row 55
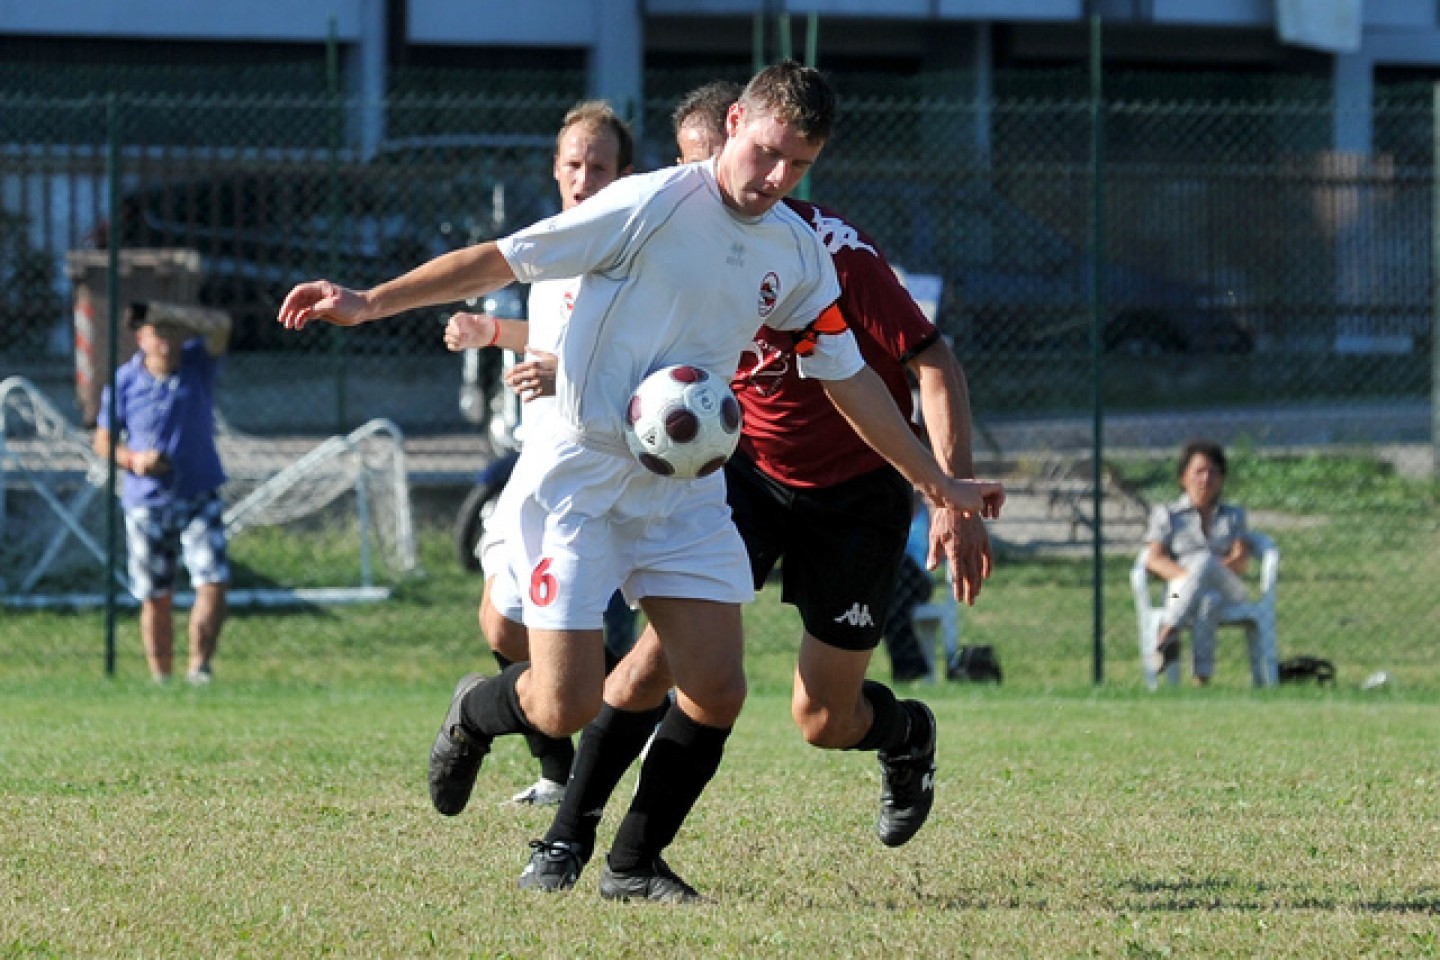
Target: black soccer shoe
column 657, row 883
column 907, row 783
column 554, row 866
column 456, row 754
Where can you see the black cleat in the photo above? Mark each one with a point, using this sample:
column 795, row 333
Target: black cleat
column 656, row 882
column 554, row 866
column 456, row 755
column 907, row 785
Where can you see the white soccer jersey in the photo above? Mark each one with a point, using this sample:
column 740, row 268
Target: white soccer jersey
column 669, row 274
column 547, row 312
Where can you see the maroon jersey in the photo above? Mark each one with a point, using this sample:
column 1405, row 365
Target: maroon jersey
column 792, row 430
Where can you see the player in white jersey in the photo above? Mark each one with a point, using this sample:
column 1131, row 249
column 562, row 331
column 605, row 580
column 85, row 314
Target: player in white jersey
column 675, row 266
column 804, row 493
column 593, row 148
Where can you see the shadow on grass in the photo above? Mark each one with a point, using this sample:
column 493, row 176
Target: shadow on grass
column 1223, row 893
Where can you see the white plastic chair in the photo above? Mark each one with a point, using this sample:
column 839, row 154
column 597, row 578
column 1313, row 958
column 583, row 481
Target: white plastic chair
column 939, row 621
column 1257, row 616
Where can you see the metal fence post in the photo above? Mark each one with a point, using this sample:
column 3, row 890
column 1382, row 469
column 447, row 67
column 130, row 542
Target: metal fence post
column 338, row 346
column 1435, row 272
column 112, row 320
column 1097, row 340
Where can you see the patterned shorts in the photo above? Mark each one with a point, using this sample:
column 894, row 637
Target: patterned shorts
column 156, row 536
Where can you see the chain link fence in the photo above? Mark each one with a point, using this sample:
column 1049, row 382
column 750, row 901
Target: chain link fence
column 1255, row 286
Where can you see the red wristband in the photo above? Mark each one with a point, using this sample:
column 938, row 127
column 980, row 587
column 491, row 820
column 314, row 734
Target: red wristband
column 495, row 337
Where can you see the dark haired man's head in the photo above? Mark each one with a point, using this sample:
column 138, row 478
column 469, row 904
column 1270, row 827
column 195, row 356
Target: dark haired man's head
column 774, row 134
column 796, row 95
column 699, row 119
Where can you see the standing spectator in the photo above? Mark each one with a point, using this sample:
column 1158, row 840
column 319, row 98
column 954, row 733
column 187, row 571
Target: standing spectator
column 162, row 420
column 1198, row 545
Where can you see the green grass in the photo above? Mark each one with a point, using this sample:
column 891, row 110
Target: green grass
column 261, row 819
column 282, row 812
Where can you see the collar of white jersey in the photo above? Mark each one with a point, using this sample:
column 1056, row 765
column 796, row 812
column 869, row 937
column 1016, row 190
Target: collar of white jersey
column 711, row 166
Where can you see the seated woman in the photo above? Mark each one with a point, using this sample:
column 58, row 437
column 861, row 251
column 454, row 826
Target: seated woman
column 1198, row 545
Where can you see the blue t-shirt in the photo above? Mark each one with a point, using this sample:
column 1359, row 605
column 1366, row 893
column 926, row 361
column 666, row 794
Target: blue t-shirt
column 917, row 544
column 175, row 415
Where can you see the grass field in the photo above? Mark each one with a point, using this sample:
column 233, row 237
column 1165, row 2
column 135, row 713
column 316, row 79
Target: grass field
column 282, row 812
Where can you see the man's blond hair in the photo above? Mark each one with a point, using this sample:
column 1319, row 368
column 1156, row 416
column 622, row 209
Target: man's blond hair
column 601, row 116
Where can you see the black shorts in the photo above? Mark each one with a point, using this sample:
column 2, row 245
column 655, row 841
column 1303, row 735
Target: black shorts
column 841, row 546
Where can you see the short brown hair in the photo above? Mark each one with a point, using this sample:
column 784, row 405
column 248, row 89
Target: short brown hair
column 599, row 114
column 707, row 104
column 1209, row 449
column 796, row 95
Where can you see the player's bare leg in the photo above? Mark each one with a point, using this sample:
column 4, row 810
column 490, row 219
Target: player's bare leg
column 641, row 680
column 827, row 704
column 510, row 643
column 636, row 698
column 562, row 690
column 703, row 645
column 506, row 637
column 557, row 692
column 837, row 708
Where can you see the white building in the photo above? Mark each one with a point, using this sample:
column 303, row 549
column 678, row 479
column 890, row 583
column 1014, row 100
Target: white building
column 1350, row 40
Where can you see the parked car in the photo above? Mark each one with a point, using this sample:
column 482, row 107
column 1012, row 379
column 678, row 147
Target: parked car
column 1014, row 282
column 262, row 225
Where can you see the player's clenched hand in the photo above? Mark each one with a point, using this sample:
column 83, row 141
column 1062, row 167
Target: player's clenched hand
column 961, row 540
column 533, row 378
column 321, row 300
column 471, row 331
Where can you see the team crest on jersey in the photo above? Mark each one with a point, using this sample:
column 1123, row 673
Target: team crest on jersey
column 761, row 368
column 569, row 301
column 838, row 235
column 769, row 294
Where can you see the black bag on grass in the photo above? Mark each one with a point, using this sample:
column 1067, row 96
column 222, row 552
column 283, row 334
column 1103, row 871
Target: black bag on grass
column 1297, row 669
column 977, row 663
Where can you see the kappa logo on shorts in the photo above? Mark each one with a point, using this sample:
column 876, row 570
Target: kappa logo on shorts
column 857, row 616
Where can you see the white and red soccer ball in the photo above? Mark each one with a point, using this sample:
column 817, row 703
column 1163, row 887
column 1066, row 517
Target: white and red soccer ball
column 683, row 422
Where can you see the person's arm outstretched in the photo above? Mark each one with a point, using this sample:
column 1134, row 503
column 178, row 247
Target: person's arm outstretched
column 457, row 275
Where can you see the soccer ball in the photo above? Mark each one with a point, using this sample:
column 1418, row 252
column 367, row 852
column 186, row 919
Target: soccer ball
column 684, row 422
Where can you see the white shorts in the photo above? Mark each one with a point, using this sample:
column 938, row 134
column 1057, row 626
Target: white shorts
column 494, row 553
column 588, row 522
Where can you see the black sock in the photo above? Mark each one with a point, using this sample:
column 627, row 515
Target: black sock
column 492, row 707
column 608, row 745
column 555, row 754
column 682, row 760
column 890, row 727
